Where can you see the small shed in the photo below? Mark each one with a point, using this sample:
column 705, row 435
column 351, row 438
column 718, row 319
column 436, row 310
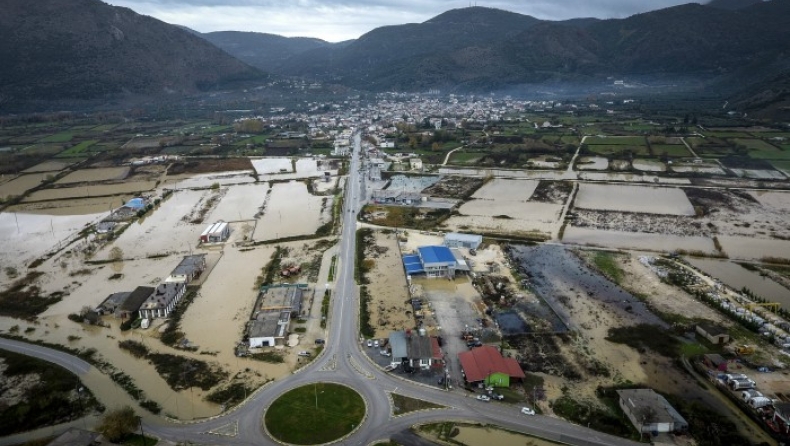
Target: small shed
column 650, row 412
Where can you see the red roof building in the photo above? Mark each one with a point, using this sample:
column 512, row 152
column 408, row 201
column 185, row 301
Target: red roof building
column 482, row 362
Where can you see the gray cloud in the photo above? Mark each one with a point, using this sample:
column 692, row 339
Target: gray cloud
column 337, row 20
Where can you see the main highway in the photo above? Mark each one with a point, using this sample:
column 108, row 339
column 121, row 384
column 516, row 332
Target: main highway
column 343, row 361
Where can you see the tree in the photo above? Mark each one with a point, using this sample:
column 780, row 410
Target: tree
column 117, row 424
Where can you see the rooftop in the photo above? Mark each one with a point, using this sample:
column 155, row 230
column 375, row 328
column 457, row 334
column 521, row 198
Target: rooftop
column 190, row 264
column 162, row 296
column 651, row 405
column 436, row 254
column 481, row 362
column 136, row 298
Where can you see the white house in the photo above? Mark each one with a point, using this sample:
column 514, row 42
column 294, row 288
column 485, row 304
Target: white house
column 163, row 300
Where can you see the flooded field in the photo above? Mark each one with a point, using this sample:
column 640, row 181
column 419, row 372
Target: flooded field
column 415, row 184
column 272, row 165
column 98, row 190
column 49, row 166
column 165, row 230
column 754, row 248
column 536, row 214
column 506, row 189
column 713, row 169
column 21, row 184
column 240, row 202
column 651, row 200
column 758, row 174
column 592, row 163
column 637, row 240
column 186, row 181
column 649, row 165
column 504, row 173
column 216, row 319
column 777, row 200
column 484, row 436
column 738, row 277
column 100, row 174
column 77, row 206
column 291, row 211
column 560, row 279
column 631, row 178
column 35, row 235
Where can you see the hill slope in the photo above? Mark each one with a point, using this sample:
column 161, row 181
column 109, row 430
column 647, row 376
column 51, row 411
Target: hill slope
column 265, row 51
column 85, row 49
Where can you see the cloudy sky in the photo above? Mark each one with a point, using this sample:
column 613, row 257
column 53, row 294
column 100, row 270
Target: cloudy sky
column 337, row 20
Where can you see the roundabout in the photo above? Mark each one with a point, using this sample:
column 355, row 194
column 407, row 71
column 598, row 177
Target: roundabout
column 314, row 414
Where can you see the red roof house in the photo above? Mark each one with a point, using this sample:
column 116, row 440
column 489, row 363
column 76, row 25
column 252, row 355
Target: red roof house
column 482, row 363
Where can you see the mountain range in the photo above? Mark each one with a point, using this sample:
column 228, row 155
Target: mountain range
column 85, row 49
column 476, row 49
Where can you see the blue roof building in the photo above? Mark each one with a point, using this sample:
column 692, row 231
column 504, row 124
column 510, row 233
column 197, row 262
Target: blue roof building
column 135, row 203
column 434, row 261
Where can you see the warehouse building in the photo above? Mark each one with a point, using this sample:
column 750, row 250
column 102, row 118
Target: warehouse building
column 649, row 412
column 486, row 365
column 271, row 316
column 216, row 233
column 458, row 240
column 434, row 261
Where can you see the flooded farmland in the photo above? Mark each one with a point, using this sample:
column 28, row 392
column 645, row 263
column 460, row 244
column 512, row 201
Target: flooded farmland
column 740, row 247
column 738, row 277
column 240, row 202
column 22, row 183
column 637, row 240
column 291, row 211
column 560, row 279
column 100, row 174
column 651, row 200
column 94, row 190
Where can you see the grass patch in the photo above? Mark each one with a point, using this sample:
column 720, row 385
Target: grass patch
column 22, row 299
column 606, row 263
column 333, row 411
column 53, row 400
column 182, row 373
column 231, row 395
column 404, row 404
column 646, row 337
column 589, row 415
column 270, row 357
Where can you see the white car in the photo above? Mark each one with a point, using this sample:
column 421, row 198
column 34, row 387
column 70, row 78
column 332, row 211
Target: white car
column 370, row 343
column 376, row 343
column 527, row 411
column 484, row 398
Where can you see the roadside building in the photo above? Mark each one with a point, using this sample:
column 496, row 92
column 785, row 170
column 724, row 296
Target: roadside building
column 271, row 316
column 650, row 412
column 399, row 347
column 715, row 334
column 130, row 307
column 215, row 233
column 163, row 300
column 486, row 365
column 458, row 240
column 136, row 204
column 415, row 164
column 423, row 351
column 433, row 261
column 781, row 417
column 189, row 269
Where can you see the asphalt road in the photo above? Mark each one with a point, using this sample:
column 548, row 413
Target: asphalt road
column 343, row 362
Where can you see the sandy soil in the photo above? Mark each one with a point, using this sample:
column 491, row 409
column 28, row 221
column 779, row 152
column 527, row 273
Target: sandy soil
column 512, row 190
column 592, row 163
column 637, row 240
column 649, row 165
column 388, row 287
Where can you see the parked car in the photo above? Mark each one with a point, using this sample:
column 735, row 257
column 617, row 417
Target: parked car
column 385, row 353
column 370, row 343
column 483, row 398
column 305, row 353
column 497, row 396
column 376, row 343
column 527, row 411
column 390, row 367
column 320, row 342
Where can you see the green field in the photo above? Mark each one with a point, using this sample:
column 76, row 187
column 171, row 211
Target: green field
column 673, row 150
column 315, row 414
column 782, row 165
column 43, row 149
column 260, row 139
column 78, row 149
column 103, row 128
column 728, row 134
column 460, row 157
column 602, row 149
column 755, row 144
column 616, row 140
column 60, row 137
